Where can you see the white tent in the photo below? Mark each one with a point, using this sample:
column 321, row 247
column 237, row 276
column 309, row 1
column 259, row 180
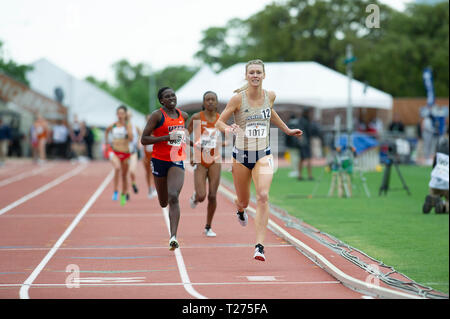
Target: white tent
column 299, row 83
column 82, row 98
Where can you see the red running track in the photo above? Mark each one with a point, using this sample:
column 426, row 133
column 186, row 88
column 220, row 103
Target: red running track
column 122, row 252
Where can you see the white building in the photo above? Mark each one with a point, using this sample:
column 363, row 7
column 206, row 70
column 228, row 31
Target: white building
column 82, row 98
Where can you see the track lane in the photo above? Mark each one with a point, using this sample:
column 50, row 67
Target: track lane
column 130, row 243
column 25, row 239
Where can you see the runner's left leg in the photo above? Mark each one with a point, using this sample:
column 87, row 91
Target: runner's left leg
column 175, row 180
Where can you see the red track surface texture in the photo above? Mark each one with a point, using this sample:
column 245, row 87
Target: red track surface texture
column 122, row 252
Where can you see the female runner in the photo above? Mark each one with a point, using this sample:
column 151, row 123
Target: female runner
column 166, row 130
column 253, row 112
column 122, row 135
column 205, row 165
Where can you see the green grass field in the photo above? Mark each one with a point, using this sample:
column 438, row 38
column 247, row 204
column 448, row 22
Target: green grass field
column 389, row 228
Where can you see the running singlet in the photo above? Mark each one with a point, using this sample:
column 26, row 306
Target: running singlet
column 439, row 174
column 208, row 139
column 254, row 123
column 170, row 151
column 40, row 131
column 120, row 133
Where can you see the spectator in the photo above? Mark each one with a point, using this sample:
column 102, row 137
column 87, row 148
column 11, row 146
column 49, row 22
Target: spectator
column 361, row 125
column 439, row 182
column 305, row 144
column 88, row 140
column 5, row 140
column 60, row 137
column 292, row 146
column 77, row 132
column 429, row 140
column 15, row 148
column 396, row 127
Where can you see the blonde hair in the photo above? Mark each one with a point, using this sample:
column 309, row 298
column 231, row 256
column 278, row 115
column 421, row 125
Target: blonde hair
column 257, row 62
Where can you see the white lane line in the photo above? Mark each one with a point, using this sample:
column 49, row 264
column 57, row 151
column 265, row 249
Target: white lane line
column 24, row 175
column 26, row 285
column 42, row 189
column 243, row 283
column 261, row 278
column 180, row 262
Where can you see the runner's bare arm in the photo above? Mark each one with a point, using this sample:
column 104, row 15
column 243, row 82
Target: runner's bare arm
column 233, row 105
column 108, row 129
column 147, row 137
column 190, row 123
column 139, row 131
column 130, row 132
column 275, row 119
column 190, row 127
column 186, row 125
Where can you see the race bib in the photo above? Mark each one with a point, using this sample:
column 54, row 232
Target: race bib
column 179, row 140
column 441, row 168
column 256, row 130
column 209, row 138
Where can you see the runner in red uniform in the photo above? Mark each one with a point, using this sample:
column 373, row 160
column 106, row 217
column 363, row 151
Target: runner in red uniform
column 166, row 130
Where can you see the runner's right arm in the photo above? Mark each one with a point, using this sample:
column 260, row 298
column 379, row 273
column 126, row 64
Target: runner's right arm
column 233, row 105
column 147, row 137
column 107, row 133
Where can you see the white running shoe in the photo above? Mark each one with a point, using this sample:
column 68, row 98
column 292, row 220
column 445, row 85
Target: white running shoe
column 259, row 253
column 242, row 218
column 173, row 243
column 209, row 233
column 192, row 201
column 152, row 193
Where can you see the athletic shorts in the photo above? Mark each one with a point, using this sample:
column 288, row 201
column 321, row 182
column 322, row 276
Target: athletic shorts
column 305, row 152
column 160, row 167
column 249, row 158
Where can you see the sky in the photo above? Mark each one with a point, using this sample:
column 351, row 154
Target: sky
column 85, row 37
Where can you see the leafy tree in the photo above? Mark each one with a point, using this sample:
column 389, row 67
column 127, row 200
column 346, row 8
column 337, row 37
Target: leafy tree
column 13, row 69
column 390, row 58
column 132, row 82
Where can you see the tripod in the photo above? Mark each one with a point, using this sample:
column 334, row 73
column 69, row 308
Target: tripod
column 343, row 167
column 387, row 174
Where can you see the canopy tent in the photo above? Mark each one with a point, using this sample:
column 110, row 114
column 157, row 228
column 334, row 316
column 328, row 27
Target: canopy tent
column 300, row 83
column 82, row 98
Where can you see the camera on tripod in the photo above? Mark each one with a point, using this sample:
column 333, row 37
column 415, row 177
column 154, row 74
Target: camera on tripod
column 397, row 151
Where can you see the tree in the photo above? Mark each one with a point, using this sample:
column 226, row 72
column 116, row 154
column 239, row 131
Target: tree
column 13, row 69
column 390, row 58
column 132, row 84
